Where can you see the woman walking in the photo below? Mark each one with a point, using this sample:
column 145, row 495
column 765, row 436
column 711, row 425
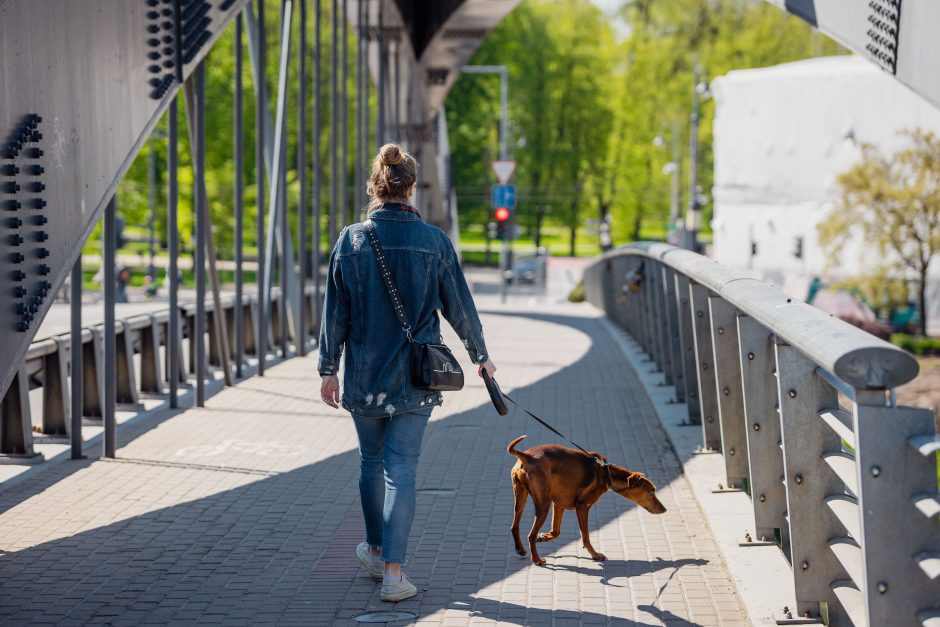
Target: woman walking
column 361, row 325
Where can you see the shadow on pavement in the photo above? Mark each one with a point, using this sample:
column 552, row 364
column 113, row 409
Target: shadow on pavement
column 281, row 549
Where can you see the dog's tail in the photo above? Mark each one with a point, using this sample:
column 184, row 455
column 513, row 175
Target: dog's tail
column 511, row 449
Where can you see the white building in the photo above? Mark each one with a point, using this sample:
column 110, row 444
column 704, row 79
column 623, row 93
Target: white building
column 781, row 137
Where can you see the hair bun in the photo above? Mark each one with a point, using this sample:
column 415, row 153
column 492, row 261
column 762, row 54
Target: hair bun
column 391, row 154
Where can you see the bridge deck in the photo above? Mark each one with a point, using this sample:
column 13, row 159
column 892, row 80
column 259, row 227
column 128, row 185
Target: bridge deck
column 247, row 511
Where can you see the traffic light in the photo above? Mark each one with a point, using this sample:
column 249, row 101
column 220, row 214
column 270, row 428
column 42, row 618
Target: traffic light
column 503, row 216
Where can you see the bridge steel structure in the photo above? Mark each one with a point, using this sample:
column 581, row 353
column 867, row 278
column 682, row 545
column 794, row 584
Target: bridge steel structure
column 802, row 408
column 83, row 85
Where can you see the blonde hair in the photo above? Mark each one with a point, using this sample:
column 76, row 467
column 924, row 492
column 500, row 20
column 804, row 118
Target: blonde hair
column 394, row 171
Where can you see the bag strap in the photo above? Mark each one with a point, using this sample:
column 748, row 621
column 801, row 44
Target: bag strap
column 388, row 279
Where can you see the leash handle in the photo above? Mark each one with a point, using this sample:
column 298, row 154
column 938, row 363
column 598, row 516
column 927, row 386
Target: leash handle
column 486, row 377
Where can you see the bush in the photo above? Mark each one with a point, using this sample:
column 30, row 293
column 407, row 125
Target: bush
column 577, row 294
column 917, row 344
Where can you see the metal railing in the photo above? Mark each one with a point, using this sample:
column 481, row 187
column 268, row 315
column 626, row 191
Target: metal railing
column 802, row 407
column 141, row 365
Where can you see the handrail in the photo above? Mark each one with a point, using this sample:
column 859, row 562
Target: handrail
column 764, row 375
column 855, row 356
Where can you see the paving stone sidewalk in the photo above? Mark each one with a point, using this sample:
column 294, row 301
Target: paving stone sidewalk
column 247, row 512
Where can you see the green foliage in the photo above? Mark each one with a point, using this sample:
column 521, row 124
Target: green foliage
column 916, row 344
column 893, row 203
column 577, row 294
column 585, row 107
column 132, row 197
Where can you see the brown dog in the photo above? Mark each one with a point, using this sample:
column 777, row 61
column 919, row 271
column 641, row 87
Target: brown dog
column 569, row 479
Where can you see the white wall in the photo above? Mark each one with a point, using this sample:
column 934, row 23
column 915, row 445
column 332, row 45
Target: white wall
column 782, row 135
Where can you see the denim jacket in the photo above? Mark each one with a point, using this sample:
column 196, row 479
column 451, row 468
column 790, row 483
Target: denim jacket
column 360, row 326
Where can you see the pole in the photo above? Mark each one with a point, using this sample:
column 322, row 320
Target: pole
column 173, row 243
column 694, row 214
column 302, row 180
column 380, row 87
column 260, row 114
column 344, row 155
column 76, row 363
column 151, row 214
column 239, row 199
column 110, row 340
column 396, row 110
column 317, row 161
column 358, row 156
column 199, row 173
column 675, row 198
column 334, row 123
column 279, row 199
column 503, row 72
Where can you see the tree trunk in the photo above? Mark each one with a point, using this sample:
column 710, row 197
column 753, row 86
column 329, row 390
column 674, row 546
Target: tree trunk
column 922, row 300
column 574, row 233
column 637, row 223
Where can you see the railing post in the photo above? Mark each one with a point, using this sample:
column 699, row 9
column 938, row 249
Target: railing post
column 662, row 327
column 126, row 390
column 646, row 311
column 151, row 379
column 762, row 426
column 895, row 450
column 705, row 365
column 56, row 405
column 809, row 482
column 726, row 352
column 656, row 322
column 16, row 423
column 674, row 345
column 92, row 380
column 687, row 347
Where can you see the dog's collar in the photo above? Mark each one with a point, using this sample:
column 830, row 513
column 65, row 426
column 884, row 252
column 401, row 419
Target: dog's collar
column 606, row 470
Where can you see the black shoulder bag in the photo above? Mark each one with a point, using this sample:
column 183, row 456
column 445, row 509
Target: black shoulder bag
column 433, row 366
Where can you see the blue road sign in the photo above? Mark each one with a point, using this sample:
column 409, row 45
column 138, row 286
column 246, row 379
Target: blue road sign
column 503, row 196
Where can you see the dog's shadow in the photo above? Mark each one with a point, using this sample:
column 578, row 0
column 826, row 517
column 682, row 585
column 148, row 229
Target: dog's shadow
column 614, row 568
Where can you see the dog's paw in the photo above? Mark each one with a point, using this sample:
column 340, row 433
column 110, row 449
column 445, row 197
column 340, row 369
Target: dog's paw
column 545, row 537
column 598, row 557
column 539, row 562
column 520, row 551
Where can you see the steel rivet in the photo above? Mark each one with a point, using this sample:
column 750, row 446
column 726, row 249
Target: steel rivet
column 792, row 393
column 804, row 565
column 762, row 498
column 721, row 331
column 876, row 471
column 726, row 391
column 882, row 587
column 710, row 419
column 750, row 356
column 798, row 478
column 704, row 366
column 700, row 313
column 731, row 452
column 756, row 427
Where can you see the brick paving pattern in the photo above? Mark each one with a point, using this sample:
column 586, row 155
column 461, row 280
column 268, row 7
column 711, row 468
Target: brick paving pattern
column 247, row 512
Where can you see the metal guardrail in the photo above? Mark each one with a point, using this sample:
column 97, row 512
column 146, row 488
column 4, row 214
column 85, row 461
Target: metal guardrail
column 141, row 366
column 801, row 405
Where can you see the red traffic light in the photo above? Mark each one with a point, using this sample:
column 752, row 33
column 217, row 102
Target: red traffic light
column 502, row 214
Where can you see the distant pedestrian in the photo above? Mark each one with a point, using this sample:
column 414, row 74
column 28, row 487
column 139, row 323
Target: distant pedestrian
column 361, row 326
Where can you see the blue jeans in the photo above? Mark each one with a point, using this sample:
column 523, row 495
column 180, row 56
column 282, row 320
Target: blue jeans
column 388, row 451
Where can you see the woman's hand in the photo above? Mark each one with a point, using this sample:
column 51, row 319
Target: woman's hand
column 329, row 390
column 489, row 366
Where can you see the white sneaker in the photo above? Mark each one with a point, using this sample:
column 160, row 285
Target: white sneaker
column 374, row 566
column 398, row 590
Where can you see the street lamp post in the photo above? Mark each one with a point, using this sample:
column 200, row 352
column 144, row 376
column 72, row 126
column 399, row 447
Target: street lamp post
column 693, row 219
column 503, row 72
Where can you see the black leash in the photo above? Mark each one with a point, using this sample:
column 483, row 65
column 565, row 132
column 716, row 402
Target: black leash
column 495, row 390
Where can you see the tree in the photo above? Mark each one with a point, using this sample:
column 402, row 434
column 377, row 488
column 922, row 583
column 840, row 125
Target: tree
column 893, row 202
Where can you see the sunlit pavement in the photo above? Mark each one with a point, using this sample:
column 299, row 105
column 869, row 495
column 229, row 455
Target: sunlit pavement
column 247, row 511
